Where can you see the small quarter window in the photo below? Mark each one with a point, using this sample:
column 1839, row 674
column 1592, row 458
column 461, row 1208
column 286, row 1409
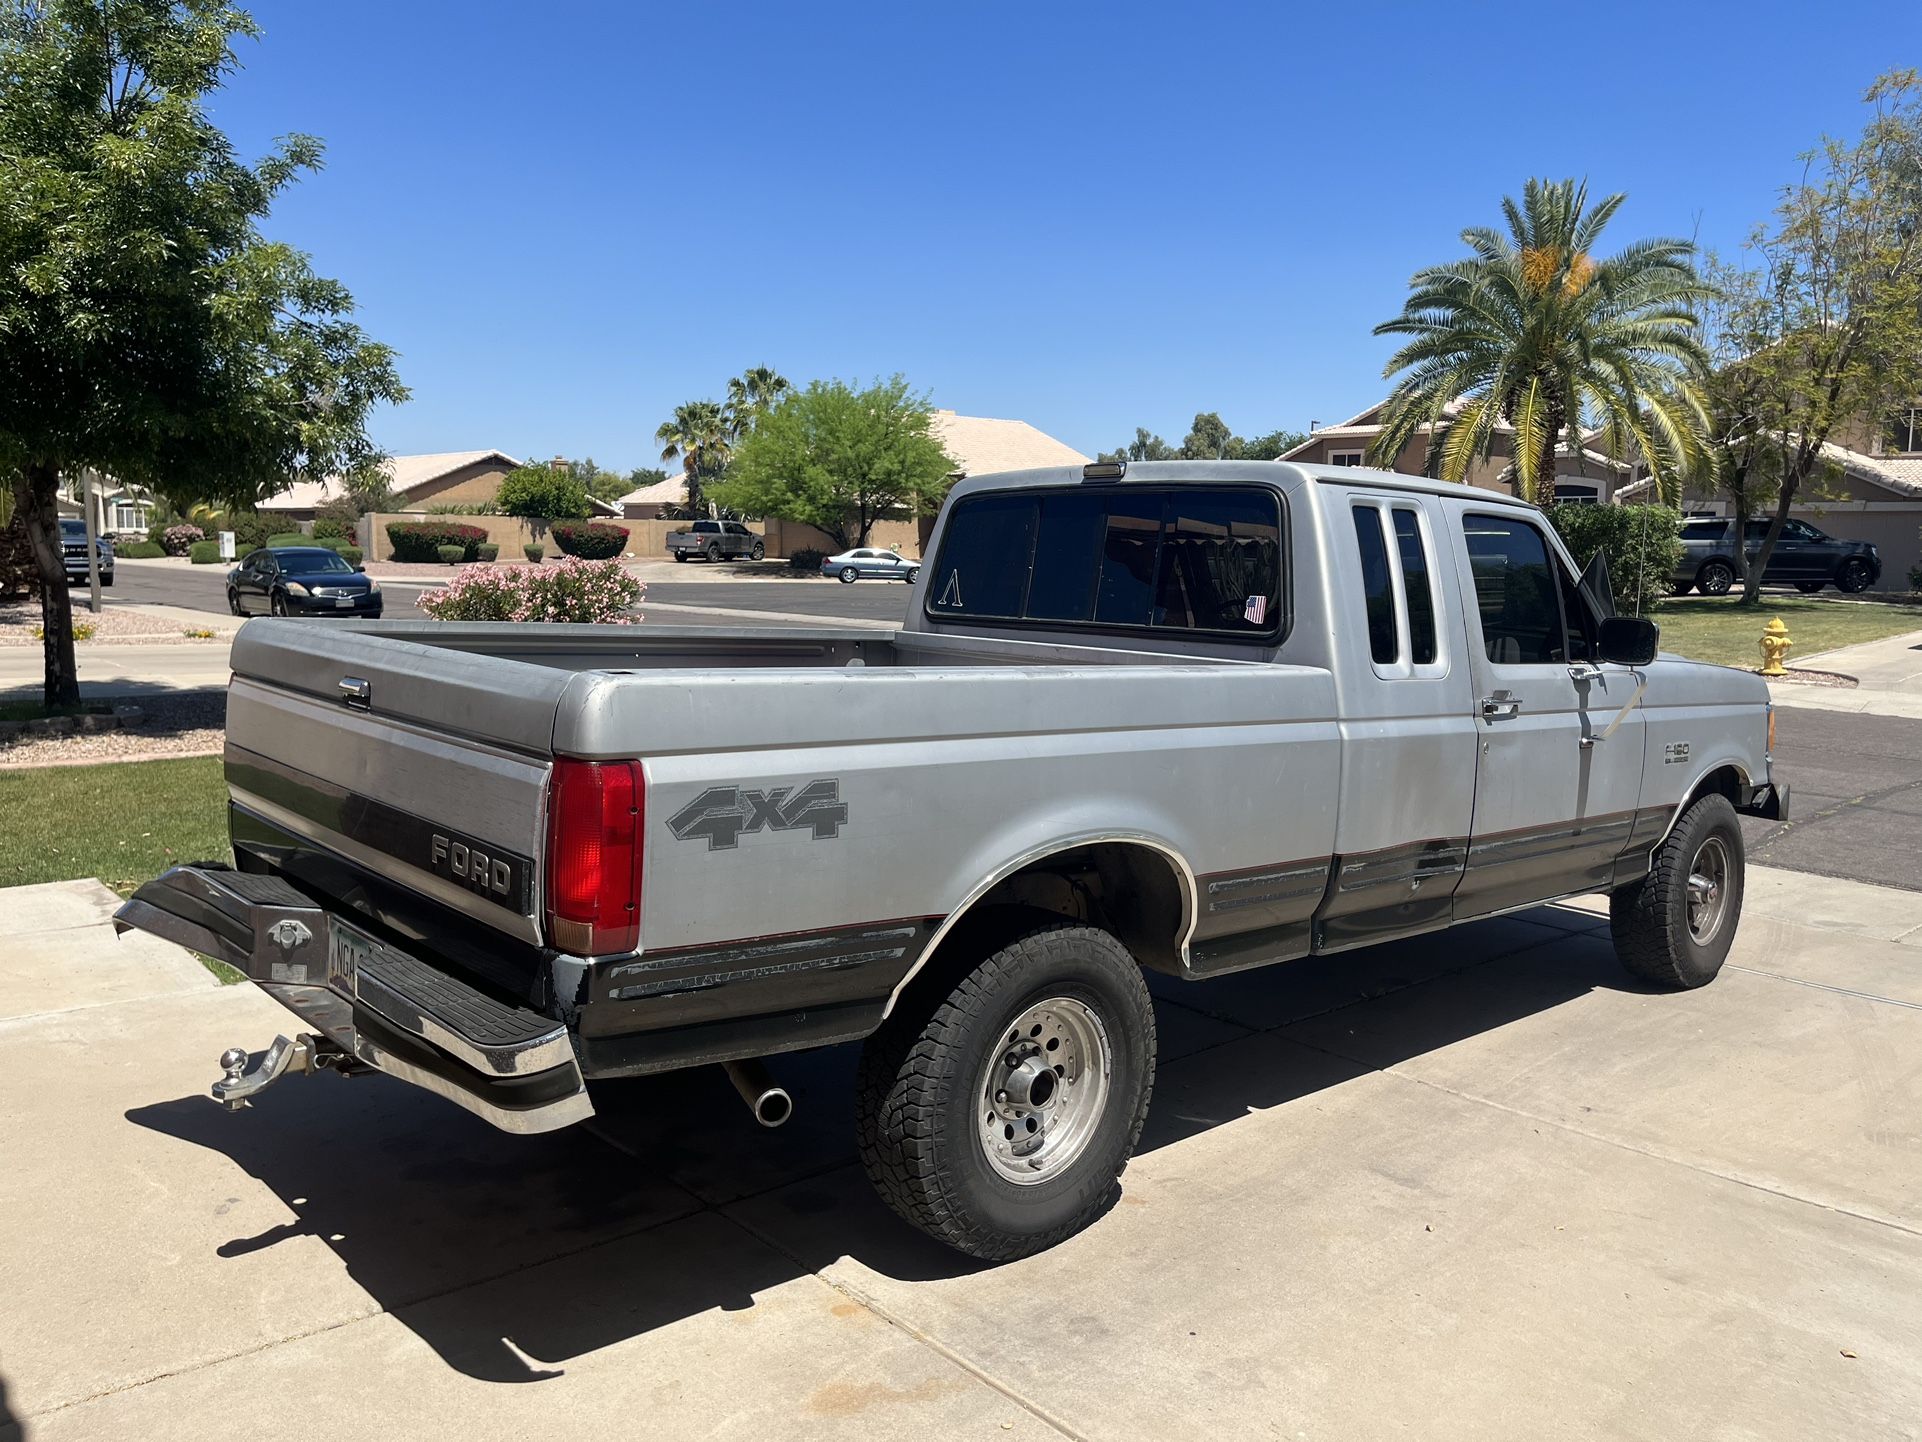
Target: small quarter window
column 1377, row 586
column 1416, row 582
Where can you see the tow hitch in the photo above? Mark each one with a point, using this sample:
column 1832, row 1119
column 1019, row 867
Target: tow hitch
column 304, row 1055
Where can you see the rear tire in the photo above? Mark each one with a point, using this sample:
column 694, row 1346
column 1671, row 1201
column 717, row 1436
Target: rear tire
column 1809, row 588
column 849, row 576
column 714, row 555
column 680, row 555
column 1715, row 578
column 972, row 1134
column 1681, row 588
column 1674, row 927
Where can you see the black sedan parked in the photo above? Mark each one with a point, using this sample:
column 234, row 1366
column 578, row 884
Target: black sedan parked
column 301, row 581
column 1803, row 557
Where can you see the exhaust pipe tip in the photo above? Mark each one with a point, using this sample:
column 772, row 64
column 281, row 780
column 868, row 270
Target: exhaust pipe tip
column 773, row 1107
column 770, row 1104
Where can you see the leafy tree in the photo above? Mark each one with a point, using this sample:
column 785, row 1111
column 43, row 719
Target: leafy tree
column 1270, row 447
column 541, row 493
column 839, row 459
column 146, row 327
column 697, row 435
column 1144, row 447
column 1209, row 439
column 750, row 394
column 1534, row 331
column 1826, row 330
column 643, row 476
column 602, row 485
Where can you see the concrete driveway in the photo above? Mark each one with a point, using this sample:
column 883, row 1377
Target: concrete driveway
column 1476, row 1186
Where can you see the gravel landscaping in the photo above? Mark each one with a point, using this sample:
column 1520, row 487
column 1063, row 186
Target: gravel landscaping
column 18, row 622
column 192, row 723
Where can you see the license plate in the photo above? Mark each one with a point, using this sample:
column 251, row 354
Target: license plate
column 343, row 602
column 346, row 950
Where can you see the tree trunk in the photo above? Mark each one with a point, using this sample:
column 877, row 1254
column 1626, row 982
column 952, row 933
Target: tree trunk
column 37, row 494
column 1752, row 584
column 692, row 472
column 1545, row 467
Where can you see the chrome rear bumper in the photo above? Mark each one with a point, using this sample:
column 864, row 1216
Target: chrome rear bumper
column 387, row 1010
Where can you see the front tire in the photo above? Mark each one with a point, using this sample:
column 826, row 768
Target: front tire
column 1715, row 578
column 1674, row 927
column 913, row 573
column 1854, row 577
column 279, row 603
column 233, row 602
column 999, row 1119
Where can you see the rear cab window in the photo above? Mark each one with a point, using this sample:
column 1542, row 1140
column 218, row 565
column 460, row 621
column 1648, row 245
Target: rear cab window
column 1196, row 559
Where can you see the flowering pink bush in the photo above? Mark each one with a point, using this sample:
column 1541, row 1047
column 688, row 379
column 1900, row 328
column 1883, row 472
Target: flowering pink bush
column 573, row 590
column 176, row 539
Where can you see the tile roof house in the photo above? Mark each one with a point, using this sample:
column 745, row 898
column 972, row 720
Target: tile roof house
column 1584, row 475
column 451, row 478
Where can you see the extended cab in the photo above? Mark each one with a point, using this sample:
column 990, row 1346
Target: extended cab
column 1190, row 716
column 716, row 540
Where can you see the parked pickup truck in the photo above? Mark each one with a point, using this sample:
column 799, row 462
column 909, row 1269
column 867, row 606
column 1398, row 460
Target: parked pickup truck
column 715, row 540
column 1192, row 717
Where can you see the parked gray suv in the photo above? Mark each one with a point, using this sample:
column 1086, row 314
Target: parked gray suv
column 1803, row 557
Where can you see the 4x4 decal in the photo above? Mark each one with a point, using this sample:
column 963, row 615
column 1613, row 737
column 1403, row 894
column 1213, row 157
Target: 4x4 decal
column 721, row 813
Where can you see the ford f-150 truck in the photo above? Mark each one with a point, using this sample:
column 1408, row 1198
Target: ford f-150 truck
column 1187, row 716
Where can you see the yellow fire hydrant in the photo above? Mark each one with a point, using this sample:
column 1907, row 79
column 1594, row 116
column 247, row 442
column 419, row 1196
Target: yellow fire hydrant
column 1775, row 645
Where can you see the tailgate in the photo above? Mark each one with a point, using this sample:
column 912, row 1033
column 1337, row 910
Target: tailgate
column 427, row 766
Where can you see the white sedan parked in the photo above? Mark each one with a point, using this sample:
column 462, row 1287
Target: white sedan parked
column 851, row 566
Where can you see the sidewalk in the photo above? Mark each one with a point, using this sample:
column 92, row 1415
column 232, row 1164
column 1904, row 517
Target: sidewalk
column 1479, row 1186
column 1889, row 672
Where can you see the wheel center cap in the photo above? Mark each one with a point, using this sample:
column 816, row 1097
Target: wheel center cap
column 1031, row 1084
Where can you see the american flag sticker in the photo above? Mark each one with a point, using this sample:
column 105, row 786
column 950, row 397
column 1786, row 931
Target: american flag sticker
column 1255, row 613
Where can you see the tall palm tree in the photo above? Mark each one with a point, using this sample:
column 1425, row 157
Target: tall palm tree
column 698, row 435
column 752, row 392
column 1533, row 332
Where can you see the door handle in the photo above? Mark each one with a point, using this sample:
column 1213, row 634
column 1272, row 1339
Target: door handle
column 1501, row 704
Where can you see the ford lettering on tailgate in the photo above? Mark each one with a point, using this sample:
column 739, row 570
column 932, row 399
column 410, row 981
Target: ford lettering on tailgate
column 498, row 875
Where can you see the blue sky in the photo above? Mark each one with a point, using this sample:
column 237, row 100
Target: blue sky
column 568, row 218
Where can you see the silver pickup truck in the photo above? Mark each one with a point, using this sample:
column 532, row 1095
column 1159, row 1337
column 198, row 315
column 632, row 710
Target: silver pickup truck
column 1194, row 717
column 716, row 540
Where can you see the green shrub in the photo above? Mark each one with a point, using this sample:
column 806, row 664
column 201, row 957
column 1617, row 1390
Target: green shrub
column 204, row 553
column 487, row 550
column 242, row 552
column 807, row 559
column 422, row 540
column 289, row 538
column 338, row 517
column 1643, row 545
column 139, row 550
column 461, row 508
column 249, row 529
column 591, row 540
column 451, row 555
column 351, row 555
column 533, row 552
column 539, row 493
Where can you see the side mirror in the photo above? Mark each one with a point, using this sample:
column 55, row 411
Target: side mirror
column 1628, row 640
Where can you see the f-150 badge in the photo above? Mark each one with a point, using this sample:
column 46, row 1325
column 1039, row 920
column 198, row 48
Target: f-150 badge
column 721, row 814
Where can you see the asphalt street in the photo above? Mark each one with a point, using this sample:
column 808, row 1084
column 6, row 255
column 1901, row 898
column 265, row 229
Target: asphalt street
column 204, row 588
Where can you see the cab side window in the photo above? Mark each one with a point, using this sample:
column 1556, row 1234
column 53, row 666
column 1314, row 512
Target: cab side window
column 1517, row 591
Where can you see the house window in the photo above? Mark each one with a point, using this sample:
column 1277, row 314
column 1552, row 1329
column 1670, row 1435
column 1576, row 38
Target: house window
column 1580, row 492
column 1346, row 458
column 1904, row 431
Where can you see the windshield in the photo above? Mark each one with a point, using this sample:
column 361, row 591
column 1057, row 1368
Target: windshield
column 312, row 563
column 74, row 530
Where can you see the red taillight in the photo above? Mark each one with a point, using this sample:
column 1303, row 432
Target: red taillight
column 594, row 826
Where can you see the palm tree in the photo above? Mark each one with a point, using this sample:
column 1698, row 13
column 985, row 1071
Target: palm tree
column 698, row 436
column 1533, row 333
column 752, row 392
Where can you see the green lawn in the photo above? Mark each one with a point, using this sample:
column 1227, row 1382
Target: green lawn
column 1715, row 628
column 124, row 822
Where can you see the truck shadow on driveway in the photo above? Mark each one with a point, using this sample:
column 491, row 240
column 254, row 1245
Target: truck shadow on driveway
column 508, row 1256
